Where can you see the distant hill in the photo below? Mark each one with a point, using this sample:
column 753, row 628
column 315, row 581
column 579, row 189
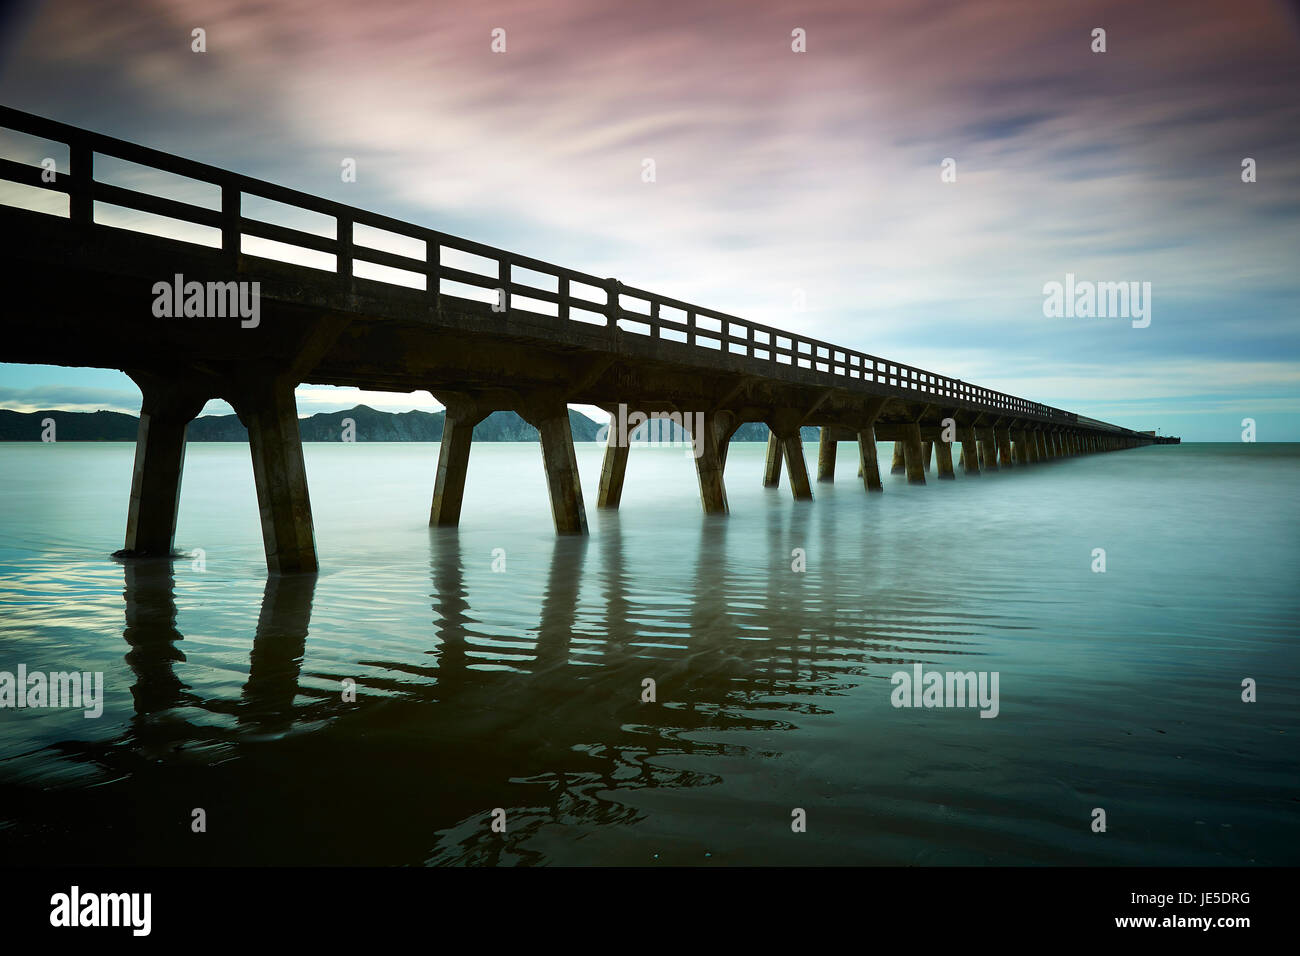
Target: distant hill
column 371, row 425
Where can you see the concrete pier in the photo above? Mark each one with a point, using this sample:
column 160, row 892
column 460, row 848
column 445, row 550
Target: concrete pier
column 826, row 444
column 613, row 470
column 462, row 414
column 633, row 348
column 1003, row 441
column 551, row 419
column 772, row 464
column 709, row 467
column 792, row 452
column 165, row 414
column 269, row 411
column 868, row 463
column 912, row 453
column 898, row 463
column 943, row 459
column 970, row 463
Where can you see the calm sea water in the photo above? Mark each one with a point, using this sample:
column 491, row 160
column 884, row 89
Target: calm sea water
column 521, row 689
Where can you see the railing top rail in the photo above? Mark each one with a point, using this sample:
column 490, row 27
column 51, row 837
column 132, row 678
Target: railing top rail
column 801, row 348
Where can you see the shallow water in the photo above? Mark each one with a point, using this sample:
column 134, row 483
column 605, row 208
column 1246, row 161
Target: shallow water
column 521, row 689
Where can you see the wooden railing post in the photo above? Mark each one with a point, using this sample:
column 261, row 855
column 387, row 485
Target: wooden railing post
column 503, row 282
column 612, row 308
column 433, row 270
column 81, row 172
column 343, row 237
column 230, row 228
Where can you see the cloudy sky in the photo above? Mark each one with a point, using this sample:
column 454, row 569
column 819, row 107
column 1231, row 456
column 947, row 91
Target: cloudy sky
column 777, row 174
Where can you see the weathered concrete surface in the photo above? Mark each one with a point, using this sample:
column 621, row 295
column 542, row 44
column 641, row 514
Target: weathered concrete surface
column 269, row 412
column 453, row 458
column 165, row 414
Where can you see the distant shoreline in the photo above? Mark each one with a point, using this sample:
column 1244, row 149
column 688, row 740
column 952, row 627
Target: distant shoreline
column 363, row 423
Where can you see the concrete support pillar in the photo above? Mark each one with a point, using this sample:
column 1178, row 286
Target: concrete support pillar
column 1018, row 446
column 826, row 445
column 612, row 472
column 1002, row 438
column 453, row 460
column 943, row 459
column 897, row 464
column 988, row 455
column 726, row 424
column 772, row 465
column 165, row 414
column 868, row 464
column 970, row 463
column 792, row 450
column 708, row 468
column 552, row 423
column 912, row 453
column 267, row 408
column 925, row 453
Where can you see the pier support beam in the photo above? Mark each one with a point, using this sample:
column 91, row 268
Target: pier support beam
column 826, row 444
column 792, row 450
column 165, row 414
column 912, row 453
column 552, row 423
column 548, row 413
column 969, row 451
column 1042, row 445
column 772, row 464
column 943, row 459
column 926, row 448
column 1017, row 446
column 709, row 464
column 267, row 408
column 726, row 424
column 897, row 464
column 868, row 463
column 612, row 472
column 988, row 456
column 785, row 424
column 462, row 414
column 1002, row 438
